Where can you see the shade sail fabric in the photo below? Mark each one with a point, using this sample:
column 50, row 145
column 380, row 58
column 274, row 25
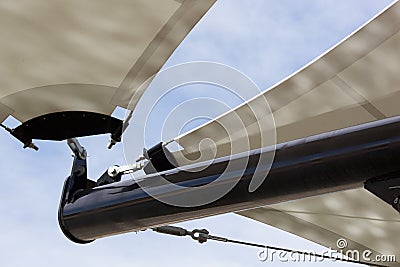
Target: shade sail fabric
column 85, row 55
column 357, row 216
column 355, row 82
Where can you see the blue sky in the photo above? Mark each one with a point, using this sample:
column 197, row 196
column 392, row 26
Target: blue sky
column 265, row 39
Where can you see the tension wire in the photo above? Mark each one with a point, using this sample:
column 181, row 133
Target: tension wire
column 202, row 236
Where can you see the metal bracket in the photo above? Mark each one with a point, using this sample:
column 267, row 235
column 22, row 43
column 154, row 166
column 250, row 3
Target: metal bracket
column 159, row 157
column 116, row 137
column 75, row 183
column 126, row 169
column 114, row 173
column 59, row 126
column 26, row 141
column 387, row 189
column 76, row 148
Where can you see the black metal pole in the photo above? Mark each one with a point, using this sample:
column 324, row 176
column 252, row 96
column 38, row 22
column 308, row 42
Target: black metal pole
column 324, row 163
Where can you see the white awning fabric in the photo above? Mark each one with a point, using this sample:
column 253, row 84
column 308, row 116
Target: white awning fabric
column 85, row 55
column 355, row 82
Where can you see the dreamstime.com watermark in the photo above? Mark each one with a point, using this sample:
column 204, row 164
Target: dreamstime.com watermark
column 341, row 253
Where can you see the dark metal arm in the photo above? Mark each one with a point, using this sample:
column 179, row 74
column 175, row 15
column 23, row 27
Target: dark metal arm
column 324, row 163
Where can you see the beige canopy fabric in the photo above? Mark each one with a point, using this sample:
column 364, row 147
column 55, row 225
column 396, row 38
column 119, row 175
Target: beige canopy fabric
column 357, row 216
column 85, row 55
column 355, row 82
